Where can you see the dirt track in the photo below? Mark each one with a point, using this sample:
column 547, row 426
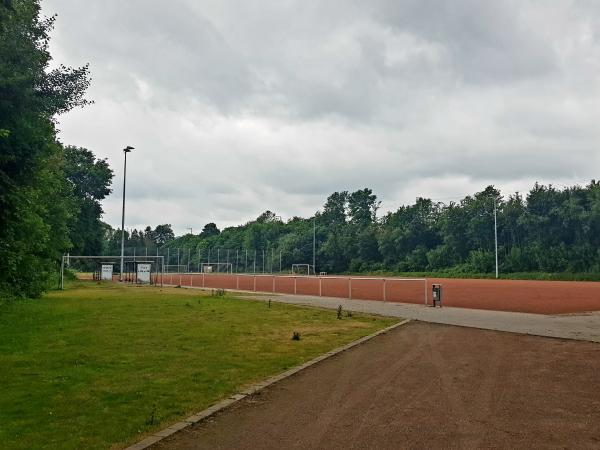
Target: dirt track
column 540, row 297
column 423, row 386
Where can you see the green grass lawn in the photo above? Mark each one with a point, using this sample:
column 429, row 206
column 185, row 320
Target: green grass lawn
column 100, row 366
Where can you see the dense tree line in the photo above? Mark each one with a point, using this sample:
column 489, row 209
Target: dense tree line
column 138, row 241
column 49, row 194
column 547, row 230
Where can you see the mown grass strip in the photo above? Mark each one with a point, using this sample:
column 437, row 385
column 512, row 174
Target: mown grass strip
column 100, row 366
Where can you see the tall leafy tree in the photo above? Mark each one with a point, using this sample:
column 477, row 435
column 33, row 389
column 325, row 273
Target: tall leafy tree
column 163, row 234
column 90, row 179
column 35, row 200
column 210, row 229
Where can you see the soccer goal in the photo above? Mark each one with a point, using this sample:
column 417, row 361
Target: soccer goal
column 219, row 267
column 176, row 268
column 140, row 270
column 303, row 269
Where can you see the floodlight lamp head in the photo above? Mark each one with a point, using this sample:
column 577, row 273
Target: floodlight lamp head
column 128, row 149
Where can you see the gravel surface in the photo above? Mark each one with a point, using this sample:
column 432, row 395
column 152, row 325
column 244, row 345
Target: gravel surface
column 583, row 326
column 423, row 386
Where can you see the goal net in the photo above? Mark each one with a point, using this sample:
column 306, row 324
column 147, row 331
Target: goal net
column 303, row 269
column 220, row 267
column 176, row 268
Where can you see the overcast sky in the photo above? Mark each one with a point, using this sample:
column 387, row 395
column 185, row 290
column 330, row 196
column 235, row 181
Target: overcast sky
column 236, row 107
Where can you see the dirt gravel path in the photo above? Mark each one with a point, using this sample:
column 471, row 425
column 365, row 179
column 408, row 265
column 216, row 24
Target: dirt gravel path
column 423, row 386
column 584, row 327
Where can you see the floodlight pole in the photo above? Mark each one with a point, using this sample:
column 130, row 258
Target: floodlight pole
column 496, row 233
column 314, row 245
column 125, row 151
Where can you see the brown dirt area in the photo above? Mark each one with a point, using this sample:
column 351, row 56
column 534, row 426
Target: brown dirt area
column 423, row 386
column 528, row 296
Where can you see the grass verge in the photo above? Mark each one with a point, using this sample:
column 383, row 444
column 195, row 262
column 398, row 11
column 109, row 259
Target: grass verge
column 102, row 365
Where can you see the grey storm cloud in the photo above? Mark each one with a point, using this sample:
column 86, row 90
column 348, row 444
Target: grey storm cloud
column 239, row 107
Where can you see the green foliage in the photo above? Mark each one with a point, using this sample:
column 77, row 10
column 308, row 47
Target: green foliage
column 90, row 179
column 548, row 231
column 36, row 202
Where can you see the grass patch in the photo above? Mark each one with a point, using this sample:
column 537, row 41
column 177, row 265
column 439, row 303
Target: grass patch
column 102, row 365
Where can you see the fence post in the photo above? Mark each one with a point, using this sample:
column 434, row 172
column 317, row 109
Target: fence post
column 62, row 273
column 320, row 286
column 384, row 293
column 254, row 283
column 350, row 288
column 295, row 289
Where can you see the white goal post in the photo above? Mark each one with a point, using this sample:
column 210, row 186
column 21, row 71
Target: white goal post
column 303, row 269
column 176, row 268
column 216, row 267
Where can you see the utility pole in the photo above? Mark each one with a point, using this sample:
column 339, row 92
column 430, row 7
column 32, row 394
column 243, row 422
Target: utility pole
column 125, row 151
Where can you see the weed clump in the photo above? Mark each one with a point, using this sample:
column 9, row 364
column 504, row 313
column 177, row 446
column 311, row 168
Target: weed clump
column 152, row 419
column 296, row 336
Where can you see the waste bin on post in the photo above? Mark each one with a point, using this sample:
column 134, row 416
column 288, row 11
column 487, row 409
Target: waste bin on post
column 436, row 291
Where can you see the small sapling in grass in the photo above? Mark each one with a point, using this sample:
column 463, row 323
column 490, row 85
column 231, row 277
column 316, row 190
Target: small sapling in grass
column 269, row 303
column 296, row 336
column 339, row 311
column 152, row 419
